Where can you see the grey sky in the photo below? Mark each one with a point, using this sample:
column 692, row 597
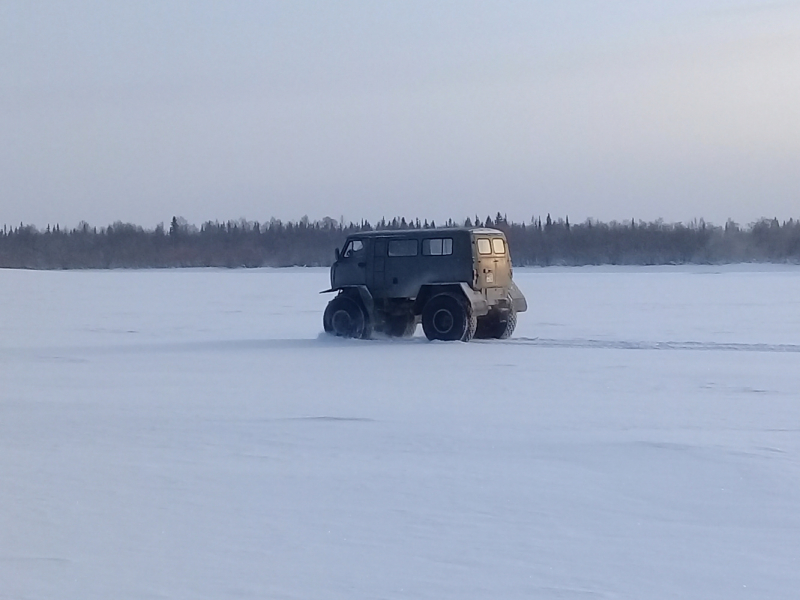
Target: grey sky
column 136, row 111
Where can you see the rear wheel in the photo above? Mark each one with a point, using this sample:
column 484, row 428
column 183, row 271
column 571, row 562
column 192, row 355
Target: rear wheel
column 486, row 327
column 345, row 317
column 448, row 318
column 507, row 325
column 496, row 325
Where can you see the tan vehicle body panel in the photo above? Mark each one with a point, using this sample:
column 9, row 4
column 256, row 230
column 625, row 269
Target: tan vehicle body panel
column 492, row 264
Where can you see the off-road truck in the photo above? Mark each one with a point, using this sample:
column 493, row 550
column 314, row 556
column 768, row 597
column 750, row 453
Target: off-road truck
column 457, row 282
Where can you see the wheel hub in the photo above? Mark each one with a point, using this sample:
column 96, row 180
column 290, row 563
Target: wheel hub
column 443, row 321
column 342, row 322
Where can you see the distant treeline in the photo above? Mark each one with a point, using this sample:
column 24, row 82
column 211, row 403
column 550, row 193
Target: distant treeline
column 311, row 243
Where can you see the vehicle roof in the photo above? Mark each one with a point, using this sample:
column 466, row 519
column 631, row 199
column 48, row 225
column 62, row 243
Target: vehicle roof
column 420, row 232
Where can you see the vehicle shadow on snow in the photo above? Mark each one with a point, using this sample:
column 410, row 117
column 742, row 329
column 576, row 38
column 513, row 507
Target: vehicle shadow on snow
column 385, row 340
column 331, row 340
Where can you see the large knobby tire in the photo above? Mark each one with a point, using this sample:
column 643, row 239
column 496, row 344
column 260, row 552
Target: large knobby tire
column 506, row 326
column 486, row 328
column 496, row 325
column 345, row 317
column 448, row 318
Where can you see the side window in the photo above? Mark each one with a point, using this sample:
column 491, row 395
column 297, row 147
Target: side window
column 352, row 247
column 484, row 246
column 498, row 245
column 437, row 247
column 403, row 248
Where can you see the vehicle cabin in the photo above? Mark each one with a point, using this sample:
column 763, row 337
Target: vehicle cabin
column 395, row 264
column 456, row 282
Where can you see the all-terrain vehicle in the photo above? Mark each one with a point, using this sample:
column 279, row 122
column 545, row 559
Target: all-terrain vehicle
column 457, row 282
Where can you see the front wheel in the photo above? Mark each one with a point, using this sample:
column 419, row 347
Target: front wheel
column 448, row 318
column 345, row 317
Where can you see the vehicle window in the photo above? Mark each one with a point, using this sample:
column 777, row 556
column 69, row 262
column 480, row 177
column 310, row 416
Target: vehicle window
column 352, row 247
column 437, row 247
column 484, row 246
column 498, row 245
column 403, row 248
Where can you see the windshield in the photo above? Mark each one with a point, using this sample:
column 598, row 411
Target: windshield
column 352, row 247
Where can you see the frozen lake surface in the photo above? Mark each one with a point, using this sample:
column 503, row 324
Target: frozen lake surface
column 190, row 434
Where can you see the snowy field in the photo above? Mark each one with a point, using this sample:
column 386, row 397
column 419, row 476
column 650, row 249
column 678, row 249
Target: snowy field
column 189, row 434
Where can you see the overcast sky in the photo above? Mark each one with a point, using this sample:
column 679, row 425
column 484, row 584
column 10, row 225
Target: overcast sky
column 138, row 111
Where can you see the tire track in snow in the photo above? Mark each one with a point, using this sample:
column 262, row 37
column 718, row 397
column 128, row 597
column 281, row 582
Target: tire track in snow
column 645, row 345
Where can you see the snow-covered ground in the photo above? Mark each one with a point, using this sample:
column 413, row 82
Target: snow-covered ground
column 189, row 434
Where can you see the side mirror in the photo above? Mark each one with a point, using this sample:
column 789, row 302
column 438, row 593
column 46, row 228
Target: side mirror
column 337, row 255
